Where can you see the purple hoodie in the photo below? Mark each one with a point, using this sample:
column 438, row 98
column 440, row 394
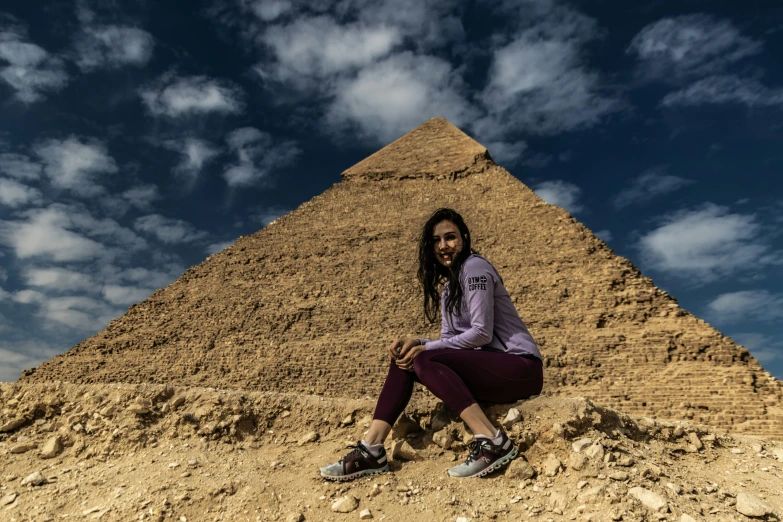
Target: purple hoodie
column 488, row 317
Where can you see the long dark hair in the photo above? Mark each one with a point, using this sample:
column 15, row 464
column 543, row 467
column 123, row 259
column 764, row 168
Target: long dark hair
column 431, row 274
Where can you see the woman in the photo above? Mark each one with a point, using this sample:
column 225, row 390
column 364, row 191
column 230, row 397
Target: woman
column 485, row 353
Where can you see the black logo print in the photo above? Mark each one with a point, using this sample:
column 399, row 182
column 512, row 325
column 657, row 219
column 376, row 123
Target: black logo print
column 477, row 283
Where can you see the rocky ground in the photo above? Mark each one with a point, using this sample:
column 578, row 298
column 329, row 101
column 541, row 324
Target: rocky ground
column 135, row 452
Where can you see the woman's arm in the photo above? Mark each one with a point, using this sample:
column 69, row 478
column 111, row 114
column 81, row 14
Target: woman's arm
column 478, row 289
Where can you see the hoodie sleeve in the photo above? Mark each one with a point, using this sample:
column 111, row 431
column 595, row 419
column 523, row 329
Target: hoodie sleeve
column 478, row 290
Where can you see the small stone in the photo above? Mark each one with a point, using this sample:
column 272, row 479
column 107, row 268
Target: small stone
column 596, row 451
column 348, row 419
column 757, row 448
column 625, row 461
column 173, row 465
column 12, row 424
column 310, row 436
column 138, row 409
column 551, row 465
column 674, row 487
column 345, row 504
column 512, row 417
column 618, row 475
column 295, row 517
column 581, row 444
column 687, row 518
column 443, row 438
column 176, row 403
column 24, row 447
column 678, row 432
column 649, row 499
column 737, row 451
column 577, row 461
column 750, row 506
column 375, row 491
column 401, row 450
column 284, row 414
column 581, row 484
column 463, row 519
column 404, row 426
column 365, row 514
column 34, row 479
column 695, row 441
column 520, row 468
column 52, row 448
column 108, row 411
column 591, row 495
column 8, row 498
column 777, row 453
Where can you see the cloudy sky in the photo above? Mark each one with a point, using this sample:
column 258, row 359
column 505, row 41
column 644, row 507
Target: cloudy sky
column 137, row 137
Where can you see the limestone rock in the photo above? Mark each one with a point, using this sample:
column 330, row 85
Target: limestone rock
column 778, row 453
column 13, row 424
column 591, row 495
column 404, row 427
column 687, row 518
column 310, row 436
column 8, row 498
column 401, row 450
column 695, row 441
column 750, row 506
column 365, row 514
column 520, row 468
column 52, row 448
column 596, row 451
column 22, row 447
column 577, row 461
column 443, row 438
column 138, row 409
column 345, row 504
column 551, row 465
column 34, row 479
column 618, row 475
column 649, row 499
column 512, row 417
column 581, row 444
column 295, row 517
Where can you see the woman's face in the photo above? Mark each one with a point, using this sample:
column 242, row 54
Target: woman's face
column 447, row 242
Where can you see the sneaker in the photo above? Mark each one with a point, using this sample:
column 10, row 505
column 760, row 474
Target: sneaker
column 485, row 457
column 358, row 463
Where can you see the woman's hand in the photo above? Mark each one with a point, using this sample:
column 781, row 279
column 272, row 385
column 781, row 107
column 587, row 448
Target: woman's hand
column 394, row 347
column 409, row 351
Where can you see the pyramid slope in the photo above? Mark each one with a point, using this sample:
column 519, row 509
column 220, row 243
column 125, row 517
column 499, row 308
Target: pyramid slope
column 309, row 303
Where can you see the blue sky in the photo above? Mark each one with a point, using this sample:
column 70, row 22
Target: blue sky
column 138, row 137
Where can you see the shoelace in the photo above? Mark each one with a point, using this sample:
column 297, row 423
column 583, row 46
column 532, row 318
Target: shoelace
column 357, row 448
column 475, row 449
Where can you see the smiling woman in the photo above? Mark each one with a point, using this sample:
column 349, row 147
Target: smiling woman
column 485, row 353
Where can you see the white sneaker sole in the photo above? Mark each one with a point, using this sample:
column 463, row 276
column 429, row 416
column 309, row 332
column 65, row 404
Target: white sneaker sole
column 358, row 474
column 495, row 466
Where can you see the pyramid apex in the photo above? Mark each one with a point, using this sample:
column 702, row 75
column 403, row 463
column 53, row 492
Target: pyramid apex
column 435, row 148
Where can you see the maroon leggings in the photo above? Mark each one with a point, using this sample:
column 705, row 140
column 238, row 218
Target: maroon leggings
column 460, row 378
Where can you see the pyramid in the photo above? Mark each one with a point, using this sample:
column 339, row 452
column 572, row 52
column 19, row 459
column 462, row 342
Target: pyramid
column 309, row 303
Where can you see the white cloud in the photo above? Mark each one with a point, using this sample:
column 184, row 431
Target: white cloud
column 76, row 312
column 162, row 276
column 29, row 297
column 760, row 305
column 388, row 98
column 73, row 164
column 268, row 215
column 168, row 230
column 690, row 46
column 125, row 295
column 142, row 196
column 59, row 233
column 174, row 97
column 605, row 235
column 257, row 156
column 3, row 275
column 16, row 356
column 651, row 183
column 270, row 10
column 504, row 152
column 112, row 46
column 319, row 47
column 762, row 347
column 561, row 193
column 214, row 248
column 19, row 166
column 29, row 69
column 58, row 279
column 725, row 89
column 195, row 154
column 703, row 244
column 539, row 82
column 14, row 194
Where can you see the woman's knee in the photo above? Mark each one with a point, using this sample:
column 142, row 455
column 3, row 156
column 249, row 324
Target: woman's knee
column 422, row 362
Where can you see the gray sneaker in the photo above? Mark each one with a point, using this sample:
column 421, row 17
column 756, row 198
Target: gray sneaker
column 485, row 457
column 358, row 463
